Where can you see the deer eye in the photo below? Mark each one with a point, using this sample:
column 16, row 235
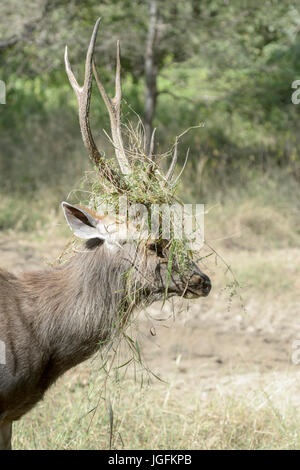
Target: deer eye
column 158, row 248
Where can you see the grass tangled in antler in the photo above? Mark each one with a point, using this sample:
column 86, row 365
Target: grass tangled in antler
column 146, row 184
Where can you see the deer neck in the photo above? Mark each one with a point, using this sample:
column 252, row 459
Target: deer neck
column 76, row 306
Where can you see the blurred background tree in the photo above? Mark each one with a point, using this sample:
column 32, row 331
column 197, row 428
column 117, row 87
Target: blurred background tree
column 224, row 63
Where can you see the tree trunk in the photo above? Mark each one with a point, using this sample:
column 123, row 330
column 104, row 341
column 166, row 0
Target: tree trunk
column 150, row 73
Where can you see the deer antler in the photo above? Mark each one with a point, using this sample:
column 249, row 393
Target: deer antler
column 113, row 107
column 83, row 94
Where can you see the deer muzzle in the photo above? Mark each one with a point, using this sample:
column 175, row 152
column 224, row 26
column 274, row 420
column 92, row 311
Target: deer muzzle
column 199, row 285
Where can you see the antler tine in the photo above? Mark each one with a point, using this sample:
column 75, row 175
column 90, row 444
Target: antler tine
column 83, row 95
column 150, row 155
column 173, row 163
column 113, row 107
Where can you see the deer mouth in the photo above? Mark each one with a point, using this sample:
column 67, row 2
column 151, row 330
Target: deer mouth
column 194, row 292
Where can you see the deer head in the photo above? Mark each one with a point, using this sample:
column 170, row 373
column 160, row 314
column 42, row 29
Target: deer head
column 144, row 264
column 152, row 274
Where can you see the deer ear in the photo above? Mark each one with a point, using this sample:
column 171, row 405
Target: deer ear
column 83, row 224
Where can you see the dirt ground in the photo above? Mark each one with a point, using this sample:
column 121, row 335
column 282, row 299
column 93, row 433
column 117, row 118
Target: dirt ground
column 216, row 343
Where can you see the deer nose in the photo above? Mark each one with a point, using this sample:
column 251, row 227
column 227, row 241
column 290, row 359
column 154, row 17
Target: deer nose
column 206, row 284
column 201, row 281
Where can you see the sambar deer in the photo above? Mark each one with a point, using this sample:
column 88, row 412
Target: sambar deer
column 53, row 319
